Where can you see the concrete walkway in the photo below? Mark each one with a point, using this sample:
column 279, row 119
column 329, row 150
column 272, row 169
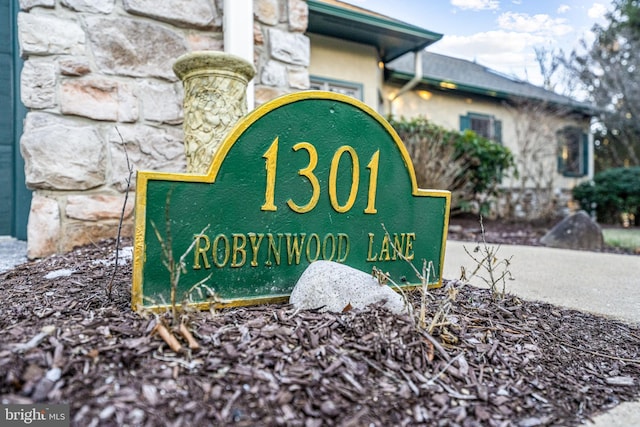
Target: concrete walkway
column 12, row 252
column 599, row 283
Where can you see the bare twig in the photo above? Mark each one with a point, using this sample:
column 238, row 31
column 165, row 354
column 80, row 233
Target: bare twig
column 211, row 293
column 400, row 254
column 442, row 371
column 436, row 344
column 608, row 356
column 175, row 268
column 35, row 341
column 490, row 263
column 424, row 277
column 124, row 207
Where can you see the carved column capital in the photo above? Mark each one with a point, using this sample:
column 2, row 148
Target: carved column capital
column 215, row 86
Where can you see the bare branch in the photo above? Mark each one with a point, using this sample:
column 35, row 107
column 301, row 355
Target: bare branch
column 124, row 206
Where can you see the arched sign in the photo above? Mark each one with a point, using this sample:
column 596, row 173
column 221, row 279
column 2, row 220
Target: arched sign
column 308, row 176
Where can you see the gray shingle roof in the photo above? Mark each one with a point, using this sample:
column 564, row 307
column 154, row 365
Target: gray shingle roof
column 474, row 78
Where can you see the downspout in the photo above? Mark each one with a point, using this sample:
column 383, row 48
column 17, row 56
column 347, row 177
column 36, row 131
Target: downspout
column 238, row 36
column 417, row 76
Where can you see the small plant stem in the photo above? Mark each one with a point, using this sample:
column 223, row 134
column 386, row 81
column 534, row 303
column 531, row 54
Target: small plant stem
column 424, row 278
column 124, row 207
column 488, row 261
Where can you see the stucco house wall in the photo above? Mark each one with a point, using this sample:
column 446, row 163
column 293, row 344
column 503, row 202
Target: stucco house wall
column 342, row 60
column 445, row 109
column 529, row 131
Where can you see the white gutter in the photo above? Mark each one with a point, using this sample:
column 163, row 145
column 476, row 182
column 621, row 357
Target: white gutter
column 238, row 36
column 417, row 76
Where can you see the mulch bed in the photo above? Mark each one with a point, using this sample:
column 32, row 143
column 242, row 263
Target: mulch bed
column 485, row 363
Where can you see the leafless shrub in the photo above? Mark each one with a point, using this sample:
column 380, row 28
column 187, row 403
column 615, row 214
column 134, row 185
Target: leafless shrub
column 493, row 271
column 536, row 126
column 436, row 165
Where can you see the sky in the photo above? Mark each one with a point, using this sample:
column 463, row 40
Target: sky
column 499, row 34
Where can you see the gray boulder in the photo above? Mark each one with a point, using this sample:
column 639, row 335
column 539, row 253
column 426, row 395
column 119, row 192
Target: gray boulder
column 577, row 231
column 334, row 287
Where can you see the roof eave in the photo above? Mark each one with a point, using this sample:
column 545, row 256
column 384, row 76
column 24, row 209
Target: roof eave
column 392, row 38
column 449, row 85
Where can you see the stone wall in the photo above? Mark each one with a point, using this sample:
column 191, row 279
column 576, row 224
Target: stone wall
column 282, row 50
column 99, row 87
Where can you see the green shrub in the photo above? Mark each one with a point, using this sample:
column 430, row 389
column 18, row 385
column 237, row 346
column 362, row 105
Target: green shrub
column 612, row 192
column 468, row 165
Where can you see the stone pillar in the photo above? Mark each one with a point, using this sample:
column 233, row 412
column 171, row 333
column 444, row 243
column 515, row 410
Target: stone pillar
column 215, row 87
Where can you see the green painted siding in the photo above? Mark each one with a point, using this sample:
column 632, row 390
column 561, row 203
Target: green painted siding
column 14, row 197
column 6, row 123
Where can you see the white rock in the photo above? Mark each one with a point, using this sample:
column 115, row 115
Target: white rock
column 334, row 286
column 107, row 412
column 64, row 272
column 54, row 374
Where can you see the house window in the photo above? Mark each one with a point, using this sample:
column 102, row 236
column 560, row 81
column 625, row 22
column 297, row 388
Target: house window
column 573, row 151
column 338, row 86
column 482, row 124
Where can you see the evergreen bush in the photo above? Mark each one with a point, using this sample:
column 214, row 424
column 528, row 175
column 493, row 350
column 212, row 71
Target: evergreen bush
column 611, row 193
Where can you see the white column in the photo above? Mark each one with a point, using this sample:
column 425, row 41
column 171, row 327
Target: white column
column 238, row 35
column 592, row 150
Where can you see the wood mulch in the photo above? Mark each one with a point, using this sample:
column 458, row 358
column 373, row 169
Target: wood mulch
column 485, row 363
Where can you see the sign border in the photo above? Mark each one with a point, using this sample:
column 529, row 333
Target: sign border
column 143, row 177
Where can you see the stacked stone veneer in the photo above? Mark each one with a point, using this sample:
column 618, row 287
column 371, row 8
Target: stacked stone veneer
column 99, row 87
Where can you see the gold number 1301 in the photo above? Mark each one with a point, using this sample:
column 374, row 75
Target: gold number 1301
column 271, row 160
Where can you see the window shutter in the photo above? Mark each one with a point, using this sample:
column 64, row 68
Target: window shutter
column 585, row 154
column 560, row 159
column 497, row 131
column 465, row 123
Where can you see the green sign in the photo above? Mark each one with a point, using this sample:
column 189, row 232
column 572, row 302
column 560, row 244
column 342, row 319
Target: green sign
column 308, row 176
